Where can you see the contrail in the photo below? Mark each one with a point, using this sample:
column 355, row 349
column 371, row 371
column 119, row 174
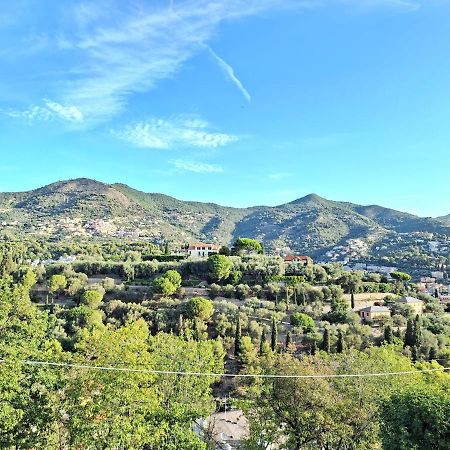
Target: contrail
column 229, row 72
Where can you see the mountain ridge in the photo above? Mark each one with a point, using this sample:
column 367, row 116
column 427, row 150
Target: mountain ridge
column 311, row 224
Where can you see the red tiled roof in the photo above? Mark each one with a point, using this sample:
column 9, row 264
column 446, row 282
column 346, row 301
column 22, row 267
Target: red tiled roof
column 293, row 257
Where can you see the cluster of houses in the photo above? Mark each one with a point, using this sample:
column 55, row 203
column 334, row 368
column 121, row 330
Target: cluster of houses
column 47, row 262
column 376, row 313
column 205, row 250
column 372, row 268
column 343, row 254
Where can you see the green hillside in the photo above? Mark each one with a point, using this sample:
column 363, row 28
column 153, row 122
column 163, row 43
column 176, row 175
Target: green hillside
column 313, row 225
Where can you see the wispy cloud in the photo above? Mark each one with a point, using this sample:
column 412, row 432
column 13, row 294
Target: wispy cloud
column 109, row 50
column 196, row 166
column 139, row 45
column 279, row 175
column 229, row 72
column 181, row 131
column 49, row 110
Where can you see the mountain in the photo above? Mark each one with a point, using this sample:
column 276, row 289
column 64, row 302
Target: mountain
column 312, row 224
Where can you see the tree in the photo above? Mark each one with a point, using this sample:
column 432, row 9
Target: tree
column 401, row 276
column 56, row 283
column 340, row 345
column 200, row 308
column 263, row 342
column 27, row 400
column 247, row 245
column 174, row 277
column 180, row 325
column 219, row 267
column 352, row 300
column 162, row 285
column 92, row 298
column 409, row 334
column 416, row 418
column 225, row 250
column 304, row 321
column 417, row 334
column 288, row 340
column 237, row 336
column 339, row 311
column 168, row 283
column 388, row 335
column 326, row 344
column 274, row 336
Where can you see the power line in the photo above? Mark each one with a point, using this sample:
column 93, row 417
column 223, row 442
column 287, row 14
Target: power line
column 220, row 375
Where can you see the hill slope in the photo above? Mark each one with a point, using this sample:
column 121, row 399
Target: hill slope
column 312, row 224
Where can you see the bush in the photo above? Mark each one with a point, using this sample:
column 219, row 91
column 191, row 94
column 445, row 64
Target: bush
column 304, row 321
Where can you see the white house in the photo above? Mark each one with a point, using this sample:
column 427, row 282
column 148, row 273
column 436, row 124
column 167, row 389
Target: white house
column 202, row 250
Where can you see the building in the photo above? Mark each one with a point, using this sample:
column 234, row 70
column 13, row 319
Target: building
column 305, row 260
column 414, row 303
column 439, row 275
column 202, row 250
column 374, row 313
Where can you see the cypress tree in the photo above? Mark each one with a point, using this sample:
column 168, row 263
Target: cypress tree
column 180, row 325
column 237, row 336
column 417, row 334
column 415, row 354
column 325, row 345
column 409, row 334
column 340, row 346
column 274, row 337
column 388, row 335
column 432, row 355
column 262, row 342
column 196, row 331
column 352, row 300
column 288, row 340
column 314, row 347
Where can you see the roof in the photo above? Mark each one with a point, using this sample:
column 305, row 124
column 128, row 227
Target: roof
column 203, row 244
column 292, row 257
column 410, row 300
column 375, row 309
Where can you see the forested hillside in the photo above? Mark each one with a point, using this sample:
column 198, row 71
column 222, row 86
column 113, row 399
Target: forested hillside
column 312, row 225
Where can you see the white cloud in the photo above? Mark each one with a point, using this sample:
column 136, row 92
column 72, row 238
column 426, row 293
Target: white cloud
column 182, row 131
column 197, row 167
column 130, row 49
column 48, row 111
column 110, row 50
column 229, row 72
column 279, row 175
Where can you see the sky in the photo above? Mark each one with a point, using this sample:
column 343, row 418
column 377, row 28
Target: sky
column 238, row 102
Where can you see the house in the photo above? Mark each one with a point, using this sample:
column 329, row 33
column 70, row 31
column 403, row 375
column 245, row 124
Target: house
column 414, row 303
column 202, row 250
column 305, row 260
column 439, row 275
column 374, row 313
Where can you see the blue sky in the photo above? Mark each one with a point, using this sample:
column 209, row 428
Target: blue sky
column 241, row 102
